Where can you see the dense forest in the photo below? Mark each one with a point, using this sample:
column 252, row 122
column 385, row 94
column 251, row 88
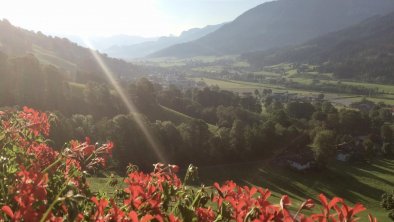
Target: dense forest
column 223, row 126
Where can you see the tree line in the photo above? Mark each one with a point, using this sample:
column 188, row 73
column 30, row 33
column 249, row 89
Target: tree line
column 224, row 127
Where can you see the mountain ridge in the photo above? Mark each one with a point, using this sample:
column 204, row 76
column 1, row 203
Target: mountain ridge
column 60, row 52
column 145, row 48
column 103, row 43
column 280, row 23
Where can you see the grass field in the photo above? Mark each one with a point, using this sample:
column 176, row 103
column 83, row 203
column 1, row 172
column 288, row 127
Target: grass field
column 307, row 78
column 48, row 57
column 267, row 74
column 361, row 183
column 226, row 85
column 382, row 87
column 338, row 99
column 241, row 86
column 178, row 62
column 176, row 117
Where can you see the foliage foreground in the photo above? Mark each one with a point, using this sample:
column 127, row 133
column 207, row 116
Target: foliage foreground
column 41, row 184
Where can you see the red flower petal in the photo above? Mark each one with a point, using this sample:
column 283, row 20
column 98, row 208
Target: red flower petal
column 323, row 200
column 7, row 210
column 133, row 216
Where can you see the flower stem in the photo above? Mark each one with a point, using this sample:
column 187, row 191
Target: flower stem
column 52, row 165
column 46, row 214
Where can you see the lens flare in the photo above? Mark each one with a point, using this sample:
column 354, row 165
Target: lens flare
column 128, row 103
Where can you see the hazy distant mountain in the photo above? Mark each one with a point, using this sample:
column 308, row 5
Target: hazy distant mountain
column 102, row 43
column 280, row 23
column 149, row 47
column 364, row 51
column 60, row 52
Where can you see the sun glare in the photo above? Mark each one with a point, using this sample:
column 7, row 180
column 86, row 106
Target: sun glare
column 128, row 103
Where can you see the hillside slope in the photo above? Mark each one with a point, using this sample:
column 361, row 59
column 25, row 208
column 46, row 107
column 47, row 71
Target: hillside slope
column 280, row 23
column 65, row 55
column 363, row 51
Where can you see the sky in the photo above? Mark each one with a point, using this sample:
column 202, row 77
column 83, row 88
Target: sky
column 148, row 18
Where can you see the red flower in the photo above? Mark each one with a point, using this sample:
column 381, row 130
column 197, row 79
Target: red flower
column 99, row 214
column 44, row 154
column 7, row 210
column 172, row 218
column 37, row 122
column 133, row 216
column 116, row 214
column 31, row 190
column 205, row 214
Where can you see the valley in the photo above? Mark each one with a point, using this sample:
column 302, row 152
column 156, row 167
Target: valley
column 205, row 111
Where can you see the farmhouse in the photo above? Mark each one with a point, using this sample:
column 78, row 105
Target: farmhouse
column 297, row 159
column 350, row 151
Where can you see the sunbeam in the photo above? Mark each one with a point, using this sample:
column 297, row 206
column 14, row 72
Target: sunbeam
column 129, row 104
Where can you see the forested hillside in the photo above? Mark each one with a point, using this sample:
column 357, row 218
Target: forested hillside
column 364, row 52
column 77, row 62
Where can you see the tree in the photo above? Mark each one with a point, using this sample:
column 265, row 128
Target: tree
column 30, row 80
column 352, row 122
column 131, row 143
column 7, row 83
column 257, row 93
column 237, row 141
column 251, row 103
column 300, row 110
column 143, row 94
column 99, row 99
column 387, row 149
column 281, row 117
column 386, row 133
column 386, row 115
column 327, row 107
column 369, row 148
column 324, row 146
column 53, row 87
column 196, row 137
column 170, row 139
column 318, row 115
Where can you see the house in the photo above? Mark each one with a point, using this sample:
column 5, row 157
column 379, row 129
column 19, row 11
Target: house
column 344, row 152
column 350, row 151
column 297, row 159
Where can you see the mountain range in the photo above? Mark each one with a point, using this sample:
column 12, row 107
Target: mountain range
column 143, row 49
column 280, row 23
column 103, row 43
column 350, row 38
